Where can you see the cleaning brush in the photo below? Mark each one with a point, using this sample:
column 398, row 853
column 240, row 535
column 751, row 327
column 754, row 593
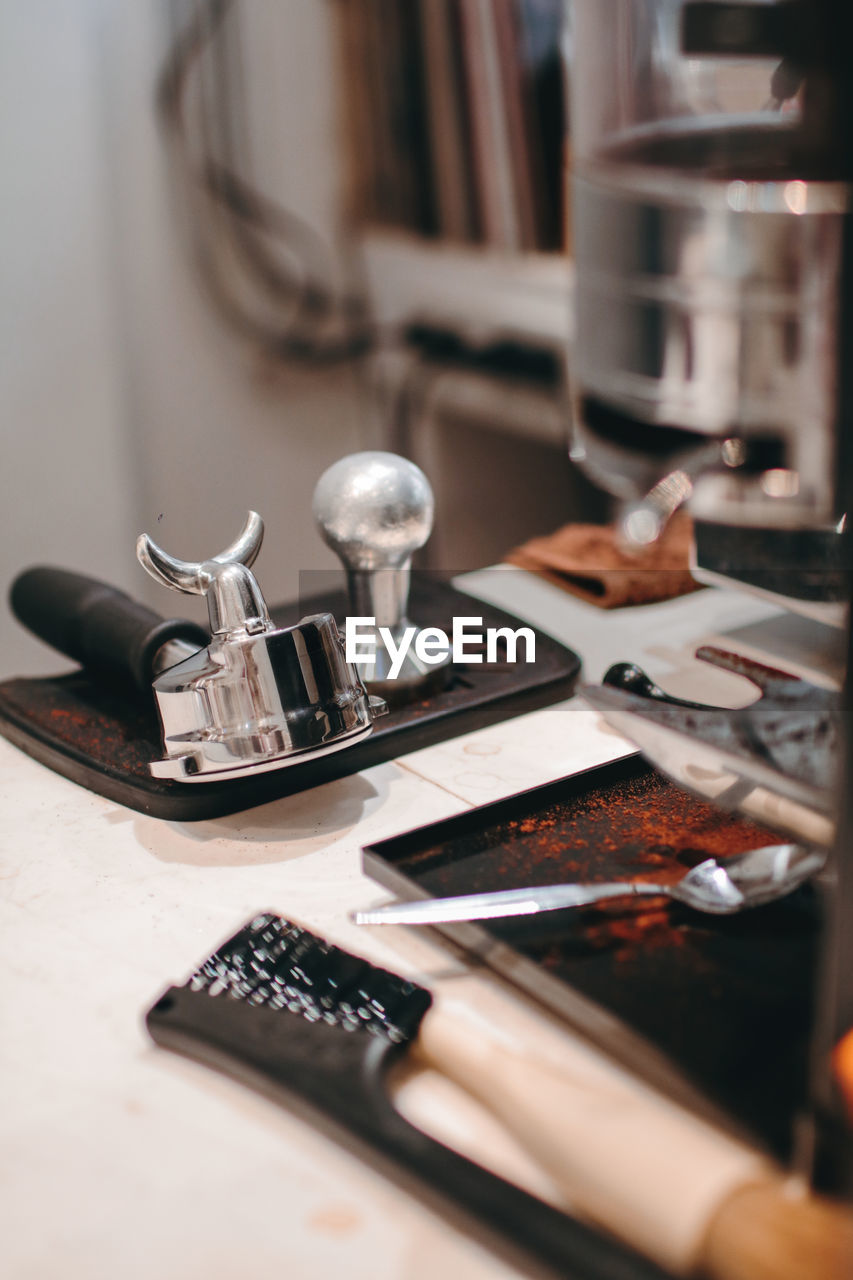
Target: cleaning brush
column 289, row 1013
column 281, row 965
column 306, row 1022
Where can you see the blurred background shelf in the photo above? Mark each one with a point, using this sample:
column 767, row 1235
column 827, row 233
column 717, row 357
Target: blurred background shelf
column 468, row 379
column 487, row 295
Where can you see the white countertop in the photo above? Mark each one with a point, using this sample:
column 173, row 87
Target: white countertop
column 123, row 1160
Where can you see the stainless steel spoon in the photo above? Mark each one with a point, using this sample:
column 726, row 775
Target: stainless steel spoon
column 722, row 888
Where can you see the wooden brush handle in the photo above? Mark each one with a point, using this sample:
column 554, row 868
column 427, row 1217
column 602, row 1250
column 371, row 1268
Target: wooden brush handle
column 672, row 1186
column 777, row 1232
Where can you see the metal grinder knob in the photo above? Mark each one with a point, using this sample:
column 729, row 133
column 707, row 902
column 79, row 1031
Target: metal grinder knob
column 375, row 510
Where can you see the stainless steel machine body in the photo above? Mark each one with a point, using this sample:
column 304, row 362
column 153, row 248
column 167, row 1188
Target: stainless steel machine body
column 708, row 256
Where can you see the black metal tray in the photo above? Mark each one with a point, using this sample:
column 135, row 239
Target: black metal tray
column 716, row 1010
column 104, row 736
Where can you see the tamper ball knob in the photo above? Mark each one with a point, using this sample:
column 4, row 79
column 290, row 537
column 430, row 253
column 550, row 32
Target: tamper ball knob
column 375, row 510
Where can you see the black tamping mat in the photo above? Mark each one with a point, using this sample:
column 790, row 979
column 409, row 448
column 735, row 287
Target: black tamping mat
column 103, row 735
column 714, row 1010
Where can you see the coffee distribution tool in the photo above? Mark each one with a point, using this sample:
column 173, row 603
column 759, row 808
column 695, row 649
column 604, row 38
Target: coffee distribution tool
column 258, row 696
column 375, row 510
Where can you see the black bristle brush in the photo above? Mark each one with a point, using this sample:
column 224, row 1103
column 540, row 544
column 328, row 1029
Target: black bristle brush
column 282, row 1010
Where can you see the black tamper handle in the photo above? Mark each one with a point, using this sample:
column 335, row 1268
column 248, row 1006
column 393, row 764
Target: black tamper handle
column 96, row 624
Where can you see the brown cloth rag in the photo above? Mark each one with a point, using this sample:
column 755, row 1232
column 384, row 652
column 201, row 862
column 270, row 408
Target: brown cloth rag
column 590, row 561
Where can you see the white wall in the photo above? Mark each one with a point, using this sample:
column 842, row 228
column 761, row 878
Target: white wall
column 125, row 402
column 64, row 483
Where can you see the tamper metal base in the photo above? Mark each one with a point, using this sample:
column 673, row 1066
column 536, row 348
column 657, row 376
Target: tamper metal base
column 182, row 768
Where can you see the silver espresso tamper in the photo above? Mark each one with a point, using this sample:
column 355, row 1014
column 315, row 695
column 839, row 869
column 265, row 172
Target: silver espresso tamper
column 374, row 510
column 258, row 697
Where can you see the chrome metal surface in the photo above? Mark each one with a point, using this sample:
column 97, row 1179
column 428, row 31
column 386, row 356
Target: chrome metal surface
column 234, row 599
column 375, row 510
column 641, row 523
column 170, row 654
column 750, row 879
column 258, row 697
column 707, row 305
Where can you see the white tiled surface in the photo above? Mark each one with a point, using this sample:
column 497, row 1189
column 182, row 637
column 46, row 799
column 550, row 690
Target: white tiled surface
column 120, row 1160
column 520, row 753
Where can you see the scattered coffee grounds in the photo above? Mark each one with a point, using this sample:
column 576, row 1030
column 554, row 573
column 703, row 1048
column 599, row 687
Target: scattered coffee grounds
column 726, row 998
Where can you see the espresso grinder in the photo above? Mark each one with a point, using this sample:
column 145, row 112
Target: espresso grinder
column 711, row 159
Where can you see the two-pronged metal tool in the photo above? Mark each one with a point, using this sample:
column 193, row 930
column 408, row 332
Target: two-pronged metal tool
column 257, row 696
